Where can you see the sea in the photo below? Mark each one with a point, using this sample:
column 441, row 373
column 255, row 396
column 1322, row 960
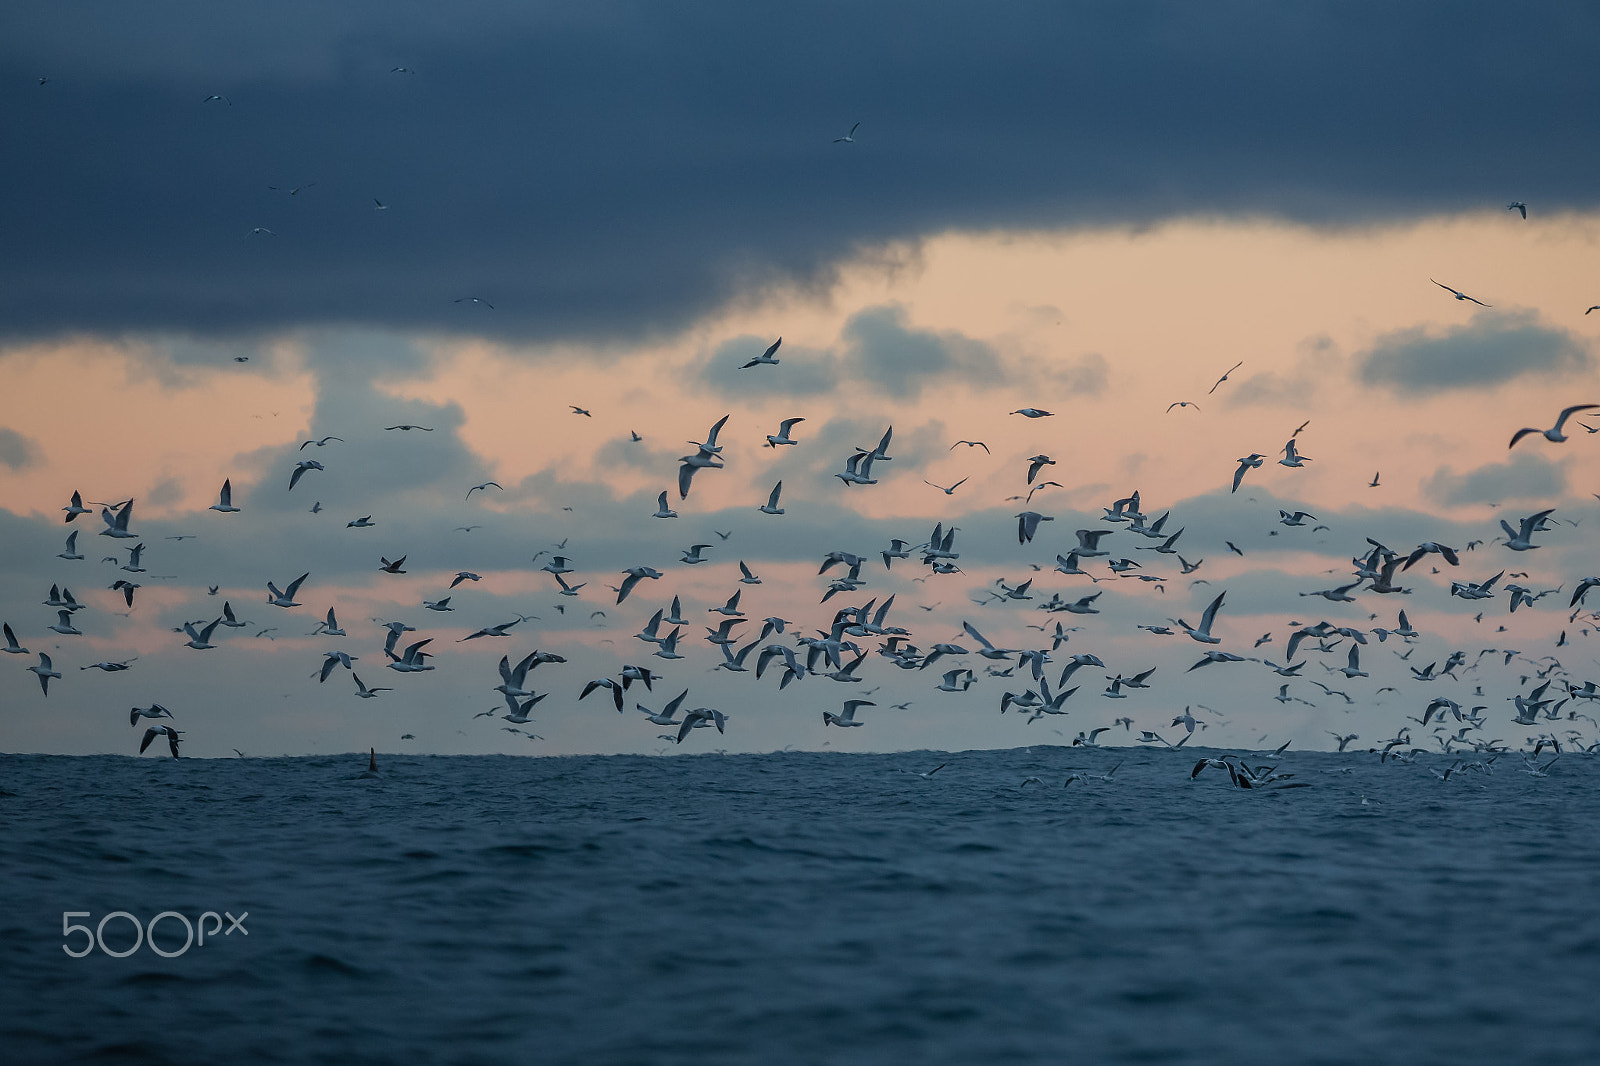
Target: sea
column 798, row 907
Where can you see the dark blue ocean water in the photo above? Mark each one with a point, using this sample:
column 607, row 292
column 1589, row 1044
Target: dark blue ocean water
column 808, row 908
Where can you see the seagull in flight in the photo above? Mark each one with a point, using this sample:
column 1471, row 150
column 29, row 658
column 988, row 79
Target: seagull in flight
column 320, row 443
column 225, row 498
column 782, row 436
column 849, row 138
column 1518, row 205
column 771, row 506
column 947, row 491
column 1223, row 378
column 766, row 358
column 1459, row 294
column 1553, row 434
column 973, row 444
column 1249, row 462
column 407, row 427
column 485, row 487
column 472, row 300
column 1186, row 403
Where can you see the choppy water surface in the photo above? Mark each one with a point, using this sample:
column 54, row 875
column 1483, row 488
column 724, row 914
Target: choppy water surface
column 802, row 908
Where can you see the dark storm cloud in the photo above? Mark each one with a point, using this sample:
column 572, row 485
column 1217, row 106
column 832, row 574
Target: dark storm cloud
column 1495, row 347
column 617, row 169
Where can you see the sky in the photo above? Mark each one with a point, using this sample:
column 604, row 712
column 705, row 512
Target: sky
column 234, row 232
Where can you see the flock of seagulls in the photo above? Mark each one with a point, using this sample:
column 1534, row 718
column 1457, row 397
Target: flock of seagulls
column 1034, row 679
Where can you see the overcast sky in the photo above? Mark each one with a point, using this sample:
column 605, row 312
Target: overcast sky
column 233, row 232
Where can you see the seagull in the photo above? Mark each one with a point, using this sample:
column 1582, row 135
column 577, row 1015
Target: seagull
column 360, row 523
column 334, row 659
column 1202, row 633
column 1553, row 434
column 413, row 661
column 11, row 642
column 300, row 468
column 1374, row 482
column 1292, row 457
column 64, row 625
column 771, row 506
column 1458, row 294
column 1031, row 412
column 155, row 710
column 847, row 717
column 1518, row 205
column 701, row 716
column 172, row 735
column 1249, row 462
column 947, row 491
column 849, row 138
column 925, row 775
column 364, row 692
column 700, row 460
column 405, row 427
column 484, row 487
column 116, row 524
column 662, row 510
column 392, row 566
column 1520, row 539
column 1223, row 378
column 691, row 554
column 473, row 300
column 217, row 96
column 286, row 597
column 225, row 498
column 634, row 575
column 1028, row 525
column 748, row 578
column 201, row 640
column 782, row 436
column 45, row 671
column 766, row 358
column 1186, row 403
column 76, row 507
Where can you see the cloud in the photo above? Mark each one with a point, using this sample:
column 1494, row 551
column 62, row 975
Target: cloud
column 880, row 348
column 1494, row 348
column 1525, row 476
column 17, row 451
column 637, row 192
